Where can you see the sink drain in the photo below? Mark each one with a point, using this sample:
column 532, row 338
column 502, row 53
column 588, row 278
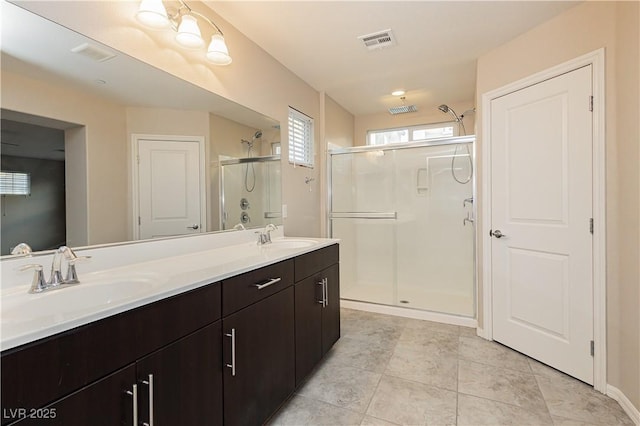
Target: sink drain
column 404, row 301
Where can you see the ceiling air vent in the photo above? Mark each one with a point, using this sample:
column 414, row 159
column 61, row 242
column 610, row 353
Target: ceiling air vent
column 93, row 52
column 378, row 40
column 403, row 109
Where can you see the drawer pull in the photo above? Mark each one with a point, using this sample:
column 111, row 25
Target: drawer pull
column 267, row 283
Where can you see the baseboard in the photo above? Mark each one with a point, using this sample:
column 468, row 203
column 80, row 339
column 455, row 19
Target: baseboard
column 624, row 402
column 409, row 313
column 480, row 333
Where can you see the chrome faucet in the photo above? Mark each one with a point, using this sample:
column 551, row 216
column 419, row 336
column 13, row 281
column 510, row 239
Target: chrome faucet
column 264, row 236
column 56, row 280
column 22, row 249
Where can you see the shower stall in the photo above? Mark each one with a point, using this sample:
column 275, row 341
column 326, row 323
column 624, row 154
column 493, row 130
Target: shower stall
column 405, row 215
column 250, row 192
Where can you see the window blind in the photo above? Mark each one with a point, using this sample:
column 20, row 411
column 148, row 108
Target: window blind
column 300, row 139
column 15, row 183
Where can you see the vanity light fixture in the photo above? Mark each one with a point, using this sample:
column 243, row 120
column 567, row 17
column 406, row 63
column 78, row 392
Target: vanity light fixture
column 184, row 20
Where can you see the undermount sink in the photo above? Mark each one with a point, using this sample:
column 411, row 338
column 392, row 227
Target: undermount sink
column 291, row 243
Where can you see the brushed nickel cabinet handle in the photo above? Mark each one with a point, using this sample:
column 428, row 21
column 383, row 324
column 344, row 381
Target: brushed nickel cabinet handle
column 272, row 281
column 134, row 395
column 232, row 366
column 150, row 384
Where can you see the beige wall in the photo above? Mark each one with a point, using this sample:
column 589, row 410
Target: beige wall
column 625, row 373
column 254, row 79
column 384, row 120
column 339, row 124
column 337, row 130
column 580, row 30
column 94, row 153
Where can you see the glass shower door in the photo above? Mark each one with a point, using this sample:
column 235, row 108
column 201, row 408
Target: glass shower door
column 405, row 218
column 363, row 216
column 434, row 190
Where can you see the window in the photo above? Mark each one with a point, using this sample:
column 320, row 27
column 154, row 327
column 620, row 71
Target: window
column 410, row 134
column 300, row 139
column 15, row 183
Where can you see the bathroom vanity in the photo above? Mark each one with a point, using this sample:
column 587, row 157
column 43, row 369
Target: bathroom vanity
column 227, row 352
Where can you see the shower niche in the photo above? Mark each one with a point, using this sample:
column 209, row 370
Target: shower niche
column 250, row 192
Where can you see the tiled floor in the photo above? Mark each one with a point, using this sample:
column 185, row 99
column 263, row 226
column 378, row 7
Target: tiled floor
column 395, row 371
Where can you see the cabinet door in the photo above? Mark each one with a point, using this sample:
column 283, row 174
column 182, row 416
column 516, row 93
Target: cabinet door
column 308, row 315
column 104, row 402
column 263, row 345
column 187, row 381
column 331, row 312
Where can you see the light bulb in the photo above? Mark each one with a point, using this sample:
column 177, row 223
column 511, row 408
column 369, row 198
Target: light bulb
column 189, row 33
column 218, row 53
column 153, row 14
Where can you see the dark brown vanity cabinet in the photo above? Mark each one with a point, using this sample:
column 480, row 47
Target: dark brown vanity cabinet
column 317, row 300
column 181, row 384
column 86, row 375
column 225, row 353
column 259, row 348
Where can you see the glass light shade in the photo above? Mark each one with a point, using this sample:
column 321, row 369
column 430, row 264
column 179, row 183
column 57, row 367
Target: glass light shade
column 218, row 53
column 189, row 33
column 153, row 14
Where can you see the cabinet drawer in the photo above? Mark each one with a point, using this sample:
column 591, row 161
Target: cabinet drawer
column 250, row 287
column 165, row 321
column 315, row 261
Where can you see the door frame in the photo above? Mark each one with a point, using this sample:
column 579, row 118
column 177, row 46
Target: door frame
column 135, row 193
column 597, row 61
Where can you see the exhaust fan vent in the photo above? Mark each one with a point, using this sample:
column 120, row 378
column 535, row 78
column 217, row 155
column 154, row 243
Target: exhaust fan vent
column 93, row 52
column 403, row 109
column 378, row 40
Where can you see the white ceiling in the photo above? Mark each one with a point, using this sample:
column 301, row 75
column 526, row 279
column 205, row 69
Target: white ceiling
column 434, row 60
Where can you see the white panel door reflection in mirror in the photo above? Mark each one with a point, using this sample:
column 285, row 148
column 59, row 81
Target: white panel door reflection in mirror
column 169, row 188
column 541, row 174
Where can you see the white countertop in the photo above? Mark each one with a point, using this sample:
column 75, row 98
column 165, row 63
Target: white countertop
column 102, row 293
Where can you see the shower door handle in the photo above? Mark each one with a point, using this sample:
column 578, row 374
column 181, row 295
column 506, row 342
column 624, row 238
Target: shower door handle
column 497, row 233
column 194, row 226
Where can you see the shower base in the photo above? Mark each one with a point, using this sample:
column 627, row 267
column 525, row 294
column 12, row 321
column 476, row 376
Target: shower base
column 412, row 302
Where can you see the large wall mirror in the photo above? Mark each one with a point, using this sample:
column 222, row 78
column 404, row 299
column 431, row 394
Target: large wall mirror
column 109, row 149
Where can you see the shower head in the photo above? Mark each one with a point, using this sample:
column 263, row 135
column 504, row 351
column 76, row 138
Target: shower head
column 258, row 134
column 445, row 108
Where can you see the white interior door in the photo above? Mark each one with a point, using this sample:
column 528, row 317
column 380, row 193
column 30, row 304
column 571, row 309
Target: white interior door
column 169, row 188
column 541, row 203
